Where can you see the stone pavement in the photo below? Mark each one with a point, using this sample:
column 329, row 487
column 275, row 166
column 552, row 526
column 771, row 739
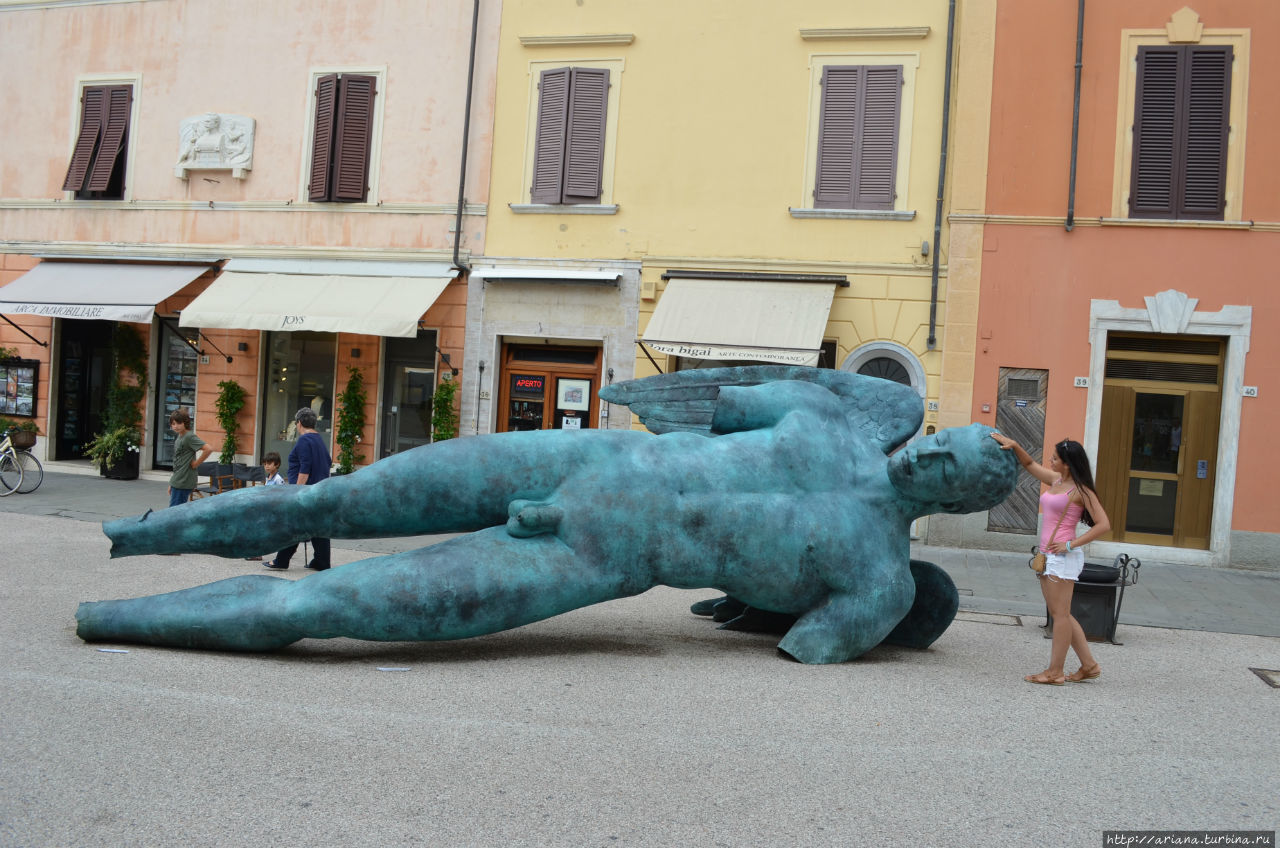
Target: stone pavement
column 630, row 723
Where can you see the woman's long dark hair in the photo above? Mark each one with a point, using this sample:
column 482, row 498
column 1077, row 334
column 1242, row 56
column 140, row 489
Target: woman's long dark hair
column 1077, row 461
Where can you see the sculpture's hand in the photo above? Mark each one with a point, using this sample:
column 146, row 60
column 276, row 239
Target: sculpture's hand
column 850, row 624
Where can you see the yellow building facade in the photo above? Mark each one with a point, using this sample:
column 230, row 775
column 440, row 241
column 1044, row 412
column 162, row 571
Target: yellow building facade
column 765, row 188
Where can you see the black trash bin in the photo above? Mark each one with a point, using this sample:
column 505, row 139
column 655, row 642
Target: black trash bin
column 1097, row 597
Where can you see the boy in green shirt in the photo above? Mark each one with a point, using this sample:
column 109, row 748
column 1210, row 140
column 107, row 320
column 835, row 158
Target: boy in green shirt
column 185, row 461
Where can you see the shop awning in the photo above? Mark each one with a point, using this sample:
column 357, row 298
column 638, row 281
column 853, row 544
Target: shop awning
column 331, row 296
column 741, row 319
column 93, row 291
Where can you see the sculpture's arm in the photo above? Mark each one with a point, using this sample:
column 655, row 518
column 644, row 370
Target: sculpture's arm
column 741, row 408
column 850, row 623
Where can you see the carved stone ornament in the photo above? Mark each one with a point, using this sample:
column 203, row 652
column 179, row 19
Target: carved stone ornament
column 1171, row 311
column 215, row 141
column 1184, row 27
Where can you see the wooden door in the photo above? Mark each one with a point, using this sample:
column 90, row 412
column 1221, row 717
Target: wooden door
column 1158, row 439
column 1021, row 402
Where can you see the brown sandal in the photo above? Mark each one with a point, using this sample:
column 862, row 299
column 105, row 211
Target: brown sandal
column 1085, row 674
column 1044, row 678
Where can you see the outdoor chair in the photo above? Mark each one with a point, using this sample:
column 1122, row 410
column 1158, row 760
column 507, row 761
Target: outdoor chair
column 221, row 479
column 248, row 475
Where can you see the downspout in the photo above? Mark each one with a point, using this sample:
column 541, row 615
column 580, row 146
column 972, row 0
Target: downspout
column 466, row 132
column 942, row 177
column 1075, row 119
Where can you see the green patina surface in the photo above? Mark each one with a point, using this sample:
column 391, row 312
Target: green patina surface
column 773, row 484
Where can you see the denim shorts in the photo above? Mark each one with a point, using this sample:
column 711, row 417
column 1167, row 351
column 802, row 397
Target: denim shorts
column 1064, row 566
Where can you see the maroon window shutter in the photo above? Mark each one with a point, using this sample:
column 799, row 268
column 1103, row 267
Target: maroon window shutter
column 877, row 152
column 354, row 138
column 837, row 137
column 115, row 126
column 549, row 143
column 1207, row 78
column 322, row 137
column 584, row 154
column 91, row 112
column 1155, row 134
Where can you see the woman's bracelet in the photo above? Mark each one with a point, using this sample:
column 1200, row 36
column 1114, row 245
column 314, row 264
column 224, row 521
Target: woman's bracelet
column 1068, row 546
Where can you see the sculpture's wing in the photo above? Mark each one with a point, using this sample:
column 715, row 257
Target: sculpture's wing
column 887, row 413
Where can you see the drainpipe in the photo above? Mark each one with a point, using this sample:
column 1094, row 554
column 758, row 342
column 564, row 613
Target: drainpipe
column 466, row 132
column 1075, row 119
column 942, row 177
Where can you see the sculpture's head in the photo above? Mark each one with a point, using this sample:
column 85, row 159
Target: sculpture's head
column 961, row 470
column 211, row 120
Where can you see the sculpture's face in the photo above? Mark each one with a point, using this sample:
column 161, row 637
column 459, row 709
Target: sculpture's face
column 211, row 121
column 961, row 469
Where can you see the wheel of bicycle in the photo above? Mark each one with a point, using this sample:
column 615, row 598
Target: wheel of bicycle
column 32, row 472
column 10, row 475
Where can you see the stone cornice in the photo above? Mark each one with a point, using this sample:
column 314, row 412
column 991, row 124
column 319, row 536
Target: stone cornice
column 575, row 40
column 832, row 33
column 245, row 206
column 214, row 252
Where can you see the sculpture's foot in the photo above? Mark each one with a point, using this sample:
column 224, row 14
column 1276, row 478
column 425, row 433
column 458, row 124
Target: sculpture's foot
column 237, row 614
column 707, row 607
column 932, row 611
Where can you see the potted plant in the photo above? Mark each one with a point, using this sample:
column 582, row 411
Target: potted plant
column 444, row 418
column 231, row 397
column 351, row 420
column 115, row 452
column 115, row 449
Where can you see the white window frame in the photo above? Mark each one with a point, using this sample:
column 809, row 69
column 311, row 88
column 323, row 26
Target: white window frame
column 910, row 63
column 606, row 206
column 375, row 141
column 77, row 107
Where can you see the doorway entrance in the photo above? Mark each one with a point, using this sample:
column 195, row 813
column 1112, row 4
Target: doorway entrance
column 1021, row 403
column 1158, row 438
column 548, row 388
column 84, row 374
column 409, row 382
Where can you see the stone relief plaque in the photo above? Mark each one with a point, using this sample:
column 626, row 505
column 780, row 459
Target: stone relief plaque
column 215, row 141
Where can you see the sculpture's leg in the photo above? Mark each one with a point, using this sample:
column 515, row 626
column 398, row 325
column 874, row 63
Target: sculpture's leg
column 481, row 583
column 454, row 486
column 932, row 611
column 851, row 623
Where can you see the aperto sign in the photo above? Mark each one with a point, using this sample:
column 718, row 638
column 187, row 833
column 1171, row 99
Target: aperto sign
column 529, row 384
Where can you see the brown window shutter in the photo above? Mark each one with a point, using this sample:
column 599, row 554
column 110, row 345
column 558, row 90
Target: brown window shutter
column 354, row 137
column 322, row 136
column 1208, row 105
column 1155, row 134
column 1180, row 128
column 877, row 159
column 92, row 105
column 837, row 137
column 115, row 127
column 549, row 143
column 584, row 155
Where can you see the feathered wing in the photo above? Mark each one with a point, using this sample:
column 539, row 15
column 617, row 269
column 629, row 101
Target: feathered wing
column 885, row 412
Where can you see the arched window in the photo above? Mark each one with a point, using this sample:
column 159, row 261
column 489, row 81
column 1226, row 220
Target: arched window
column 886, row 369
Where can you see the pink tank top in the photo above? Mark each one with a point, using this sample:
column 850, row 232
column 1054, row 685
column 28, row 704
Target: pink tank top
column 1052, row 506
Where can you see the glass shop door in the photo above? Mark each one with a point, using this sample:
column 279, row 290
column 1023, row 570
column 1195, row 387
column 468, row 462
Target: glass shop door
column 549, row 388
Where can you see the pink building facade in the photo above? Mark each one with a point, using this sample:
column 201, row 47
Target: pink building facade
column 270, row 193
column 1130, row 305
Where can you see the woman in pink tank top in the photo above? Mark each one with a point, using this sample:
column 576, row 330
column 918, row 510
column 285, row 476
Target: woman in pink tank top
column 1069, row 500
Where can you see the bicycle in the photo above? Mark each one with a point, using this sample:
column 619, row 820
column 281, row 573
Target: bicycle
column 19, row 471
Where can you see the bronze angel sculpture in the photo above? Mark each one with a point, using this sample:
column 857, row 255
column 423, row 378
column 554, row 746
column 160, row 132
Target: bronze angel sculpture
column 777, row 485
